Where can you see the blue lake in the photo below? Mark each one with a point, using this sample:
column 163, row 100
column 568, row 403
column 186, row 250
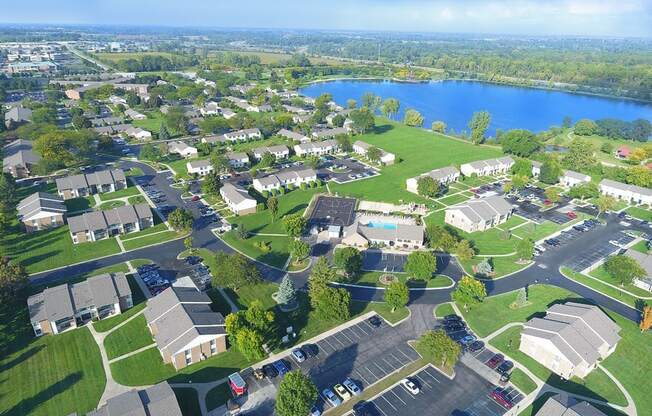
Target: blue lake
column 511, row 107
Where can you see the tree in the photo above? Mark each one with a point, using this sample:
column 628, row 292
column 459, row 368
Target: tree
column 639, row 176
column 439, row 238
column 464, row 251
column 267, row 160
column 522, row 167
column 585, row 127
column 371, row 101
column 187, row 243
column 299, row 250
column 333, row 304
column 439, row 348
column 427, row 186
column 287, row 293
column 484, row 268
column 181, row 219
column 320, row 276
column 567, row 122
column 607, row 148
column 646, row 319
column 175, row 119
column 550, row 171
column 413, row 118
column 519, row 181
column 624, row 269
column 580, row 155
column 349, row 260
column 469, row 292
column 294, row 224
column 605, row 203
column 258, row 317
column 421, row 265
column 584, row 191
column 525, row 249
column 363, row 119
column 211, row 184
column 439, row 127
column 233, row 323
column 351, row 104
column 219, row 161
column 390, row 107
column 397, row 295
column 520, row 142
column 374, row 154
column 478, row 125
column 150, row 152
column 296, row 395
column 13, row 278
column 344, row 142
column 163, row 132
column 8, row 195
column 338, row 120
column 552, row 193
column 521, row 298
column 272, row 206
column 250, row 343
column 234, row 271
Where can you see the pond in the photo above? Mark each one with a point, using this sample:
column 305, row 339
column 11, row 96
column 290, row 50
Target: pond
column 511, row 107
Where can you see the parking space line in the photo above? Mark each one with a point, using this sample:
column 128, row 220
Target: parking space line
column 423, row 381
column 388, row 402
column 378, row 407
column 432, row 376
column 397, row 396
column 400, row 363
column 334, row 336
column 345, row 336
column 361, row 376
column 406, row 356
column 353, row 334
column 360, row 326
column 380, row 368
column 325, row 341
column 374, row 374
column 389, row 364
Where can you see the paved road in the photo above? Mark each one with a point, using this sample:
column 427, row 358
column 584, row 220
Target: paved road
column 165, row 255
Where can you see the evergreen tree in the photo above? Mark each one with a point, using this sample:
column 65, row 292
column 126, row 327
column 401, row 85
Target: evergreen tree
column 163, row 133
column 286, row 292
column 521, row 298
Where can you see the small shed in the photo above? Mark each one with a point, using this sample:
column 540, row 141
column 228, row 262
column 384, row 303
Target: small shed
column 334, row 231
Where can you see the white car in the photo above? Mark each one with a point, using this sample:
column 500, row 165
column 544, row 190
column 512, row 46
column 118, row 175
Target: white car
column 410, row 386
column 625, row 223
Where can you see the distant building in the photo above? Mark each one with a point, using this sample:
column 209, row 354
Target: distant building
column 479, row 214
column 630, row 193
column 17, row 115
column 19, row 158
column 182, row 149
column 99, row 182
column 623, row 152
column 237, row 199
column 134, row 115
column 645, row 260
column 237, row 159
column 284, row 179
column 41, row 211
column 316, row 148
column 361, row 148
column 279, row 151
column 98, row 225
column 67, row 306
column 403, row 236
column 570, row 178
column 156, row 400
column 184, row 326
column 138, row 133
column 329, row 133
column 294, row 136
column 536, row 168
column 571, row 339
column 443, row 176
column 498, row 166
column 199, row 167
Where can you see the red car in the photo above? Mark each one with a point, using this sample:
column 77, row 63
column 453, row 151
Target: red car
column 500, row 397
column 495, row 361
column 547, row 202
column 571, row 215
column 194, row 198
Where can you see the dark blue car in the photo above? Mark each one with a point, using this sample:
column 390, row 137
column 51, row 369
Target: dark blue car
column 281, row 367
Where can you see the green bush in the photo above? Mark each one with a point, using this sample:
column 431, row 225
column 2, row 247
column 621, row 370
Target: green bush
column 265, row 194
column 283, row 191
column 303, row 186
column 260, row 207
column 291, row 187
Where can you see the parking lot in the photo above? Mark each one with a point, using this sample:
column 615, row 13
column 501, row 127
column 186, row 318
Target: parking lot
column 378, row 260
column 332, row 211
column 599, row 251
column 345, row 169
column 363, row 352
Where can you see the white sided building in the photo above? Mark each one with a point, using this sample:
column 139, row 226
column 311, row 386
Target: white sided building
column 280, row 151
column 479, row 214
column 182, row 149
column 283, row 179
column 630, row 193
column 238, row 200
column 361, row 148
column 486, row 167
column 443, row 176
column 237, row 159
column 316, row 148
column 571, row 178
column 199, row 167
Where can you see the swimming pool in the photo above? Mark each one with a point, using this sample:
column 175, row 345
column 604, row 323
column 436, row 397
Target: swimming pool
column 385, row 225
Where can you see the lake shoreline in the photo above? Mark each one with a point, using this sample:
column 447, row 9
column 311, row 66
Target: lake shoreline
column 506, row 84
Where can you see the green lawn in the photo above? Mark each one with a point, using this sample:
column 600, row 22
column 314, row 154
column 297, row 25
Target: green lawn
column 291, row 203
column 538, row 231
column 641, row 246
column 134, row 171
column 179, row 166
column 276, row 255
column 129, row 337
column 122, row 193
column 148, row 240
column 188, row 400
column 640, row 213
column 138, row 199
column 615, row 293
column 49, row 249
column 494, row 312
column 372, row 279
column 502, row 265
column 512, row 222
column 522, row 381
column 218, row 396
column 111, row 204
column 444, row 309
column 601, row 273
column 80, row 204
column 596, row 385
column 151, row 230
column 152, row 123
column 453, row 199
column 419, row 151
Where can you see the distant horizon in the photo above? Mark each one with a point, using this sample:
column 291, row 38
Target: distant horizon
column 595, row 18
column 318, row 30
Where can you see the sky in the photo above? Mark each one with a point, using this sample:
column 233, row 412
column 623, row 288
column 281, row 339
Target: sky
column 621, row 18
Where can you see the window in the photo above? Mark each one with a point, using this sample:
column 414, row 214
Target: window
column 188, row 357
column 213, row 346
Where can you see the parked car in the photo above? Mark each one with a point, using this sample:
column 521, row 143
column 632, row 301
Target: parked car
column 454, row 326
column 342, row 392
column 314, row 411
column 331, row 397
column 501, row 398
column 352, row 387
column 375, row 321
column 310, row 350
column 452, row 318
column 467, row 340
column 505, row 367
column 495, row 361
column 410, row 386
column 270, row 371
column 476, row 346
column 194, row 198
column 281, row 366
column 298, row 355
column 571, row 215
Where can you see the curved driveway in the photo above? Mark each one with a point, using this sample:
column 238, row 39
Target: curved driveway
column 165, row 255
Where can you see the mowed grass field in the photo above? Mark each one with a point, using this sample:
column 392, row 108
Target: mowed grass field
column 417, row 152
column 112, row 57
column 273, row 58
